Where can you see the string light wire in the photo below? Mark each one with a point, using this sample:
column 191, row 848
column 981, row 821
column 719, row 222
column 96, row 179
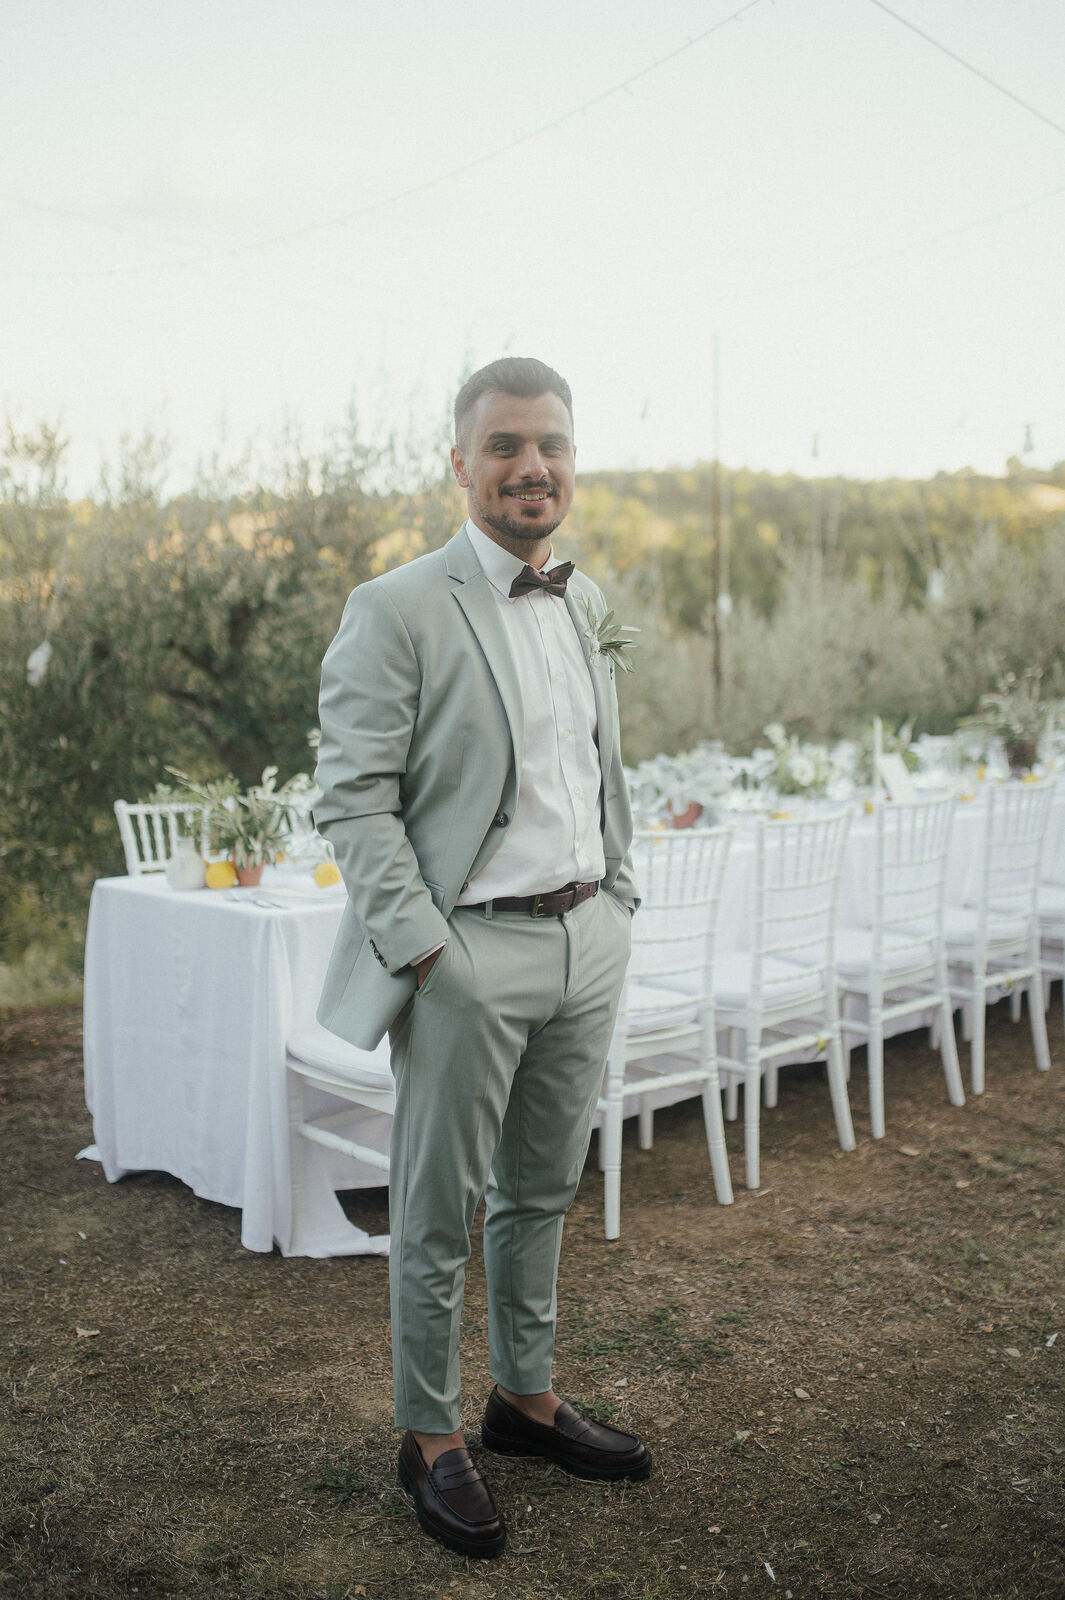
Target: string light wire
column 403, row 194
column 976, row 71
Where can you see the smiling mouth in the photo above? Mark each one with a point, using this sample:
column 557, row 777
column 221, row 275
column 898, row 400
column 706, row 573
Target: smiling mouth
column 530, row 496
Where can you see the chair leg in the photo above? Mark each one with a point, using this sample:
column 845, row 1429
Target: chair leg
column 967, row 1011
column 752, row 1086
column 847, row 1040
column 1038, row 1022
column 875, row 1068
column 769, row 1080
column 1015, row 1004
column 837, row 1087
column 297, row 1151
column 610, row 1146
column 732, row 1103
column 949, row 1053
column 647, row 1123
column 977, row 1008
column 715, row 1139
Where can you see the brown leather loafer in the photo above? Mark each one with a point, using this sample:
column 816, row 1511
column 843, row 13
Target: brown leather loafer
column 584, row 1448
column 451, row 1500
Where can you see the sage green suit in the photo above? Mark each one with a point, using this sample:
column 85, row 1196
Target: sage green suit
column 499, row 1057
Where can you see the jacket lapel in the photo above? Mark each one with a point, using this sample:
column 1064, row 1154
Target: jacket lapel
column 474, row 594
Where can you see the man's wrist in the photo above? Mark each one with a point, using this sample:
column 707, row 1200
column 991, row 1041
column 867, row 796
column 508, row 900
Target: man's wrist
column 425, row 964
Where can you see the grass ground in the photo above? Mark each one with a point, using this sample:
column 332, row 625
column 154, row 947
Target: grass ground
column 850, row 1379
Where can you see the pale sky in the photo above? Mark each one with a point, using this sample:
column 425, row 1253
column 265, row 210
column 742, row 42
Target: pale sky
column 207, row 229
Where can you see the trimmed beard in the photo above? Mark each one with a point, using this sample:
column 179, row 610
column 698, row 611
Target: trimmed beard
column 512, row 529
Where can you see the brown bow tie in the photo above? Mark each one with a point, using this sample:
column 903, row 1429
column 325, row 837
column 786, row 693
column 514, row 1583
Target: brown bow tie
column 554, row 581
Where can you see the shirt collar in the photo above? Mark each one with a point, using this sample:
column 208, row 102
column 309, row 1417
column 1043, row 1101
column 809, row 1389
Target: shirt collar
column 500, row 567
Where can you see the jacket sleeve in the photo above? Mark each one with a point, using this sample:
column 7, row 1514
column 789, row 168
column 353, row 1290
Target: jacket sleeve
column 371, row 681
column 625, row 885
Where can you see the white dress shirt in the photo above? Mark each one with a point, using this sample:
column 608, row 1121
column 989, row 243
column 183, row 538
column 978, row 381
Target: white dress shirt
column 555, row 835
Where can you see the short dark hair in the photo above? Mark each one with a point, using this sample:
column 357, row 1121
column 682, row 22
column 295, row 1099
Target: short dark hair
column 519, row 375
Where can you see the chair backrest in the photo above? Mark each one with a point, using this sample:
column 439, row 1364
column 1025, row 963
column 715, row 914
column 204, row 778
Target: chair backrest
column 1053, row 868
column 149, row 830
column 797, row 867
column 679, row 872
column 912, row 841
column 1017, row 818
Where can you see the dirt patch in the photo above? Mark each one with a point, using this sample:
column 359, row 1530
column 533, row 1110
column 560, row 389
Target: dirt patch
column 849, row 1380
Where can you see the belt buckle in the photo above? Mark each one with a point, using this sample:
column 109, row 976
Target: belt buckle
column 534, row 909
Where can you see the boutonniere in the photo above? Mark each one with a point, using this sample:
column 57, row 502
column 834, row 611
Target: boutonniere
column 608, row 638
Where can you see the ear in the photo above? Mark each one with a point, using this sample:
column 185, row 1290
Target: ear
column 458, row 467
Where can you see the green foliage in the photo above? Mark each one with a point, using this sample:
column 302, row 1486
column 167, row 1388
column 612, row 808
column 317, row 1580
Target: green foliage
column 185, row 630
column 188, row 629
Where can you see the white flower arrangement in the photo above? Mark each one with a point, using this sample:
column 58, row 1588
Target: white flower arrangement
column 671, row 784
column 799, row 769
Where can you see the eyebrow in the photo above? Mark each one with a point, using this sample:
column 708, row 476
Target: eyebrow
column 501, row 435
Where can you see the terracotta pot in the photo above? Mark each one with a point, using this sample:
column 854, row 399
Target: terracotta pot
column 250, row 877
column 1021, row 754
column 688, row 817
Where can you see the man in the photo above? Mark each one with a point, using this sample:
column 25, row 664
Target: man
column 474, row 795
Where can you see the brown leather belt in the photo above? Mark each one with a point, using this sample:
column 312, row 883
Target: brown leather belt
column 542, row 905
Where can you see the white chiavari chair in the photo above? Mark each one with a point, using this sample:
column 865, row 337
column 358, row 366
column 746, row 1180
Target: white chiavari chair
column 316, row 1059
column 664, row 1038
column 780, row 995
column 149, row 831
column 994, row 944
column 895, row 965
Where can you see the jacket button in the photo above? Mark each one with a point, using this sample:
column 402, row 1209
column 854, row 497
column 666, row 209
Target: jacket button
column 465, row 886
column 501, row 820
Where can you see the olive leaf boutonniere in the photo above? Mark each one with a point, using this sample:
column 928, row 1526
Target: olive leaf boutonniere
column 607, row 637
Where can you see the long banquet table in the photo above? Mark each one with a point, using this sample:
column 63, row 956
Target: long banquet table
column 189, row 999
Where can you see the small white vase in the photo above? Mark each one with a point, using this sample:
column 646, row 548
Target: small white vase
column 185, row 869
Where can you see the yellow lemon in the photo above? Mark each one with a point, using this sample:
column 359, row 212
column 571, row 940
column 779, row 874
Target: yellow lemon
column 325, row 873
column 221, row 875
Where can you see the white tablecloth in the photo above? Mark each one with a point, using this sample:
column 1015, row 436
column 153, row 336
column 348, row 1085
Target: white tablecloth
column 189, row 999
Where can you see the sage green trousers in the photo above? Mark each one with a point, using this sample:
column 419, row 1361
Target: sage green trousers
column 498, row 1061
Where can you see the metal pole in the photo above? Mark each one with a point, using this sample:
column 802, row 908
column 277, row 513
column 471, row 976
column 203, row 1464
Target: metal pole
column 719, row 585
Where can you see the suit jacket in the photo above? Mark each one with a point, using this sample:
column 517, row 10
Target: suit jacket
column 419, row 762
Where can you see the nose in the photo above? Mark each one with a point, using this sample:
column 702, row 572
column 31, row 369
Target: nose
column 531, row 463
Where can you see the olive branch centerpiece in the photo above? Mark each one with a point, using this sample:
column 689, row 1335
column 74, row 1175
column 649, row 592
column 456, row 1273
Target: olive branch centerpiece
column 252, row 827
